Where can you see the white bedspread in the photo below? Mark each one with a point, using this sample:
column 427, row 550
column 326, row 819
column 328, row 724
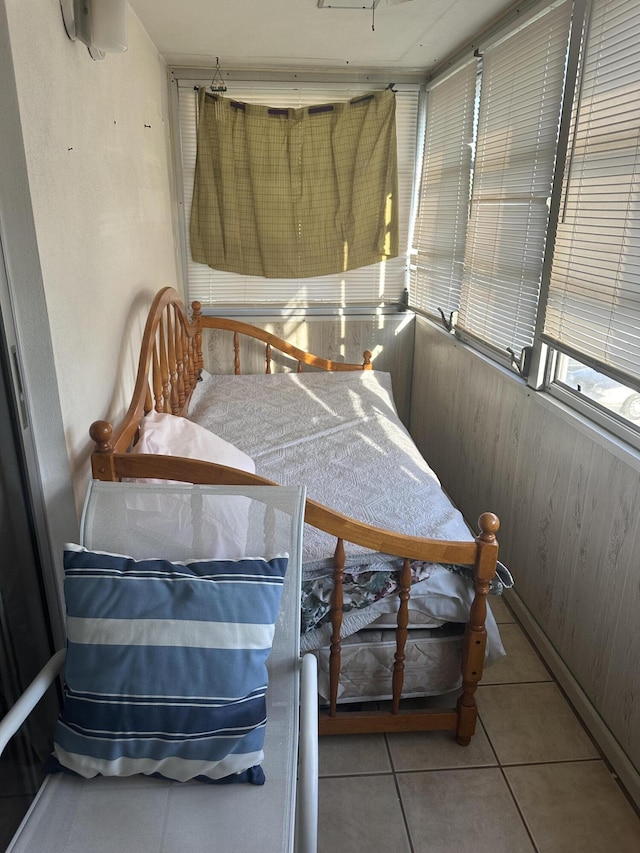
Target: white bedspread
column 339, row 434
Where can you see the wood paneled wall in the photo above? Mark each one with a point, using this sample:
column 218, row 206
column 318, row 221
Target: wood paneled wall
column 388, row 336
column 568, row 499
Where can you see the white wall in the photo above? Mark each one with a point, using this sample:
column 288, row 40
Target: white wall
column 96, row 143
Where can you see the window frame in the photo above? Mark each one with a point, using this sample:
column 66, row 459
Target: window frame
column 522, row 175
column 529, row 363
column 563, row 343
column 420, row 290
column 548, row 358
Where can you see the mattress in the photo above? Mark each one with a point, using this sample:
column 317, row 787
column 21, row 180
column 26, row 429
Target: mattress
column 431, row 665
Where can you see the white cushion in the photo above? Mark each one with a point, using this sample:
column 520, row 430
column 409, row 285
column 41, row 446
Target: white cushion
column 175, row 436
column 224, row 533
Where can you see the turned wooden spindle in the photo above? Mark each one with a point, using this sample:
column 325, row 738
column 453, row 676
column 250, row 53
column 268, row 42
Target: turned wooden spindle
column 236, row 350
column 401, row 636
column 299, row 370
column 157, row 379
column 366, row 363
column 180, row 377
column 196, row 316
column 268, row 358
column 337, row 603
column 475, row 632
column 191, row 370
column 164, row 365
column 173, row 363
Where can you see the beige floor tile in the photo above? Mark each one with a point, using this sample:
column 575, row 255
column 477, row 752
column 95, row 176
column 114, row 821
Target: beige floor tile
column 577, row 806
column 521, row 663
column 500, row 610
column 348, row 755
column 439, row 751
column 532, row 723
column 360, row 815
column 466, row 811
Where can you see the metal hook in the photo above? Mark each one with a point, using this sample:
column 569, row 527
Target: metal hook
column 522, row 364
column 217, row 83
column 450, row 324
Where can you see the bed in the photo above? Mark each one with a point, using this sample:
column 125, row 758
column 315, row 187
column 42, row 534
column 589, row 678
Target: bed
column 395, row 586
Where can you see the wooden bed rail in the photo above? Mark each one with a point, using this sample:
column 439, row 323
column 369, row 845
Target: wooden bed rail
column 272, row 342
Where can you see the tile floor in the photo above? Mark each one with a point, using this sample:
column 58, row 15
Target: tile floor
column 531, row 780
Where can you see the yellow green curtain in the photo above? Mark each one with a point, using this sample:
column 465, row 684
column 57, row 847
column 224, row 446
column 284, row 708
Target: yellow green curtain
column 294, row 193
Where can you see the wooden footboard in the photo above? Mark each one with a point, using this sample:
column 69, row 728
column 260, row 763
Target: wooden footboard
column 169, row 367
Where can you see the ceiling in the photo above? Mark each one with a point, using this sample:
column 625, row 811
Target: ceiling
column 415, row 35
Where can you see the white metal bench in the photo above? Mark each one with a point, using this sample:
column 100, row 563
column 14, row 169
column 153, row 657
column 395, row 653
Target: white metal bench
column 126, row 815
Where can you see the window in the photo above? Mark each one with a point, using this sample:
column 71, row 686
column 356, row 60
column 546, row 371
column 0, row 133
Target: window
column 593, row 309
column 441, row 222
column 482, row 220
column 552, row 237
column 519, row 116
column 608, row 395
column 376, row 285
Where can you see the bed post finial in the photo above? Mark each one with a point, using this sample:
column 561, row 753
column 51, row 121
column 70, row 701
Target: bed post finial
column 102, row 432
column 489, row 525
column 366, row 363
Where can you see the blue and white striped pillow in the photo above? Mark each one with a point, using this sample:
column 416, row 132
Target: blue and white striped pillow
column 166, row 666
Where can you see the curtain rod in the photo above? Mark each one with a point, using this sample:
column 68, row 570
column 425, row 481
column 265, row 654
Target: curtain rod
column 338, row 75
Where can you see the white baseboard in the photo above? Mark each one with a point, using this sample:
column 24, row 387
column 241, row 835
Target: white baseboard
column 611, row 749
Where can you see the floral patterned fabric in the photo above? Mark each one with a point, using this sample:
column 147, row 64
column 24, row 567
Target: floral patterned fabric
column 358, row 592
column 362, row 589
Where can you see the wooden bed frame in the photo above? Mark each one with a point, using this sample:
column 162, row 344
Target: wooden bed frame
column 169, row 368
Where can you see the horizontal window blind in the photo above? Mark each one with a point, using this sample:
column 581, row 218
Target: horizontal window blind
column 522, row 82
column 373, row 285
column 593, row 306
column 441, row 222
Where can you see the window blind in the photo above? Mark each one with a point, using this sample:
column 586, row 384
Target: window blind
column 441, row 221
column 593, row 306
column 374, row 285
column 520, row 100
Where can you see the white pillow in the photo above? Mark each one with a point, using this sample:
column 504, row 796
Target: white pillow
column 220, row 525
column 175, row 436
